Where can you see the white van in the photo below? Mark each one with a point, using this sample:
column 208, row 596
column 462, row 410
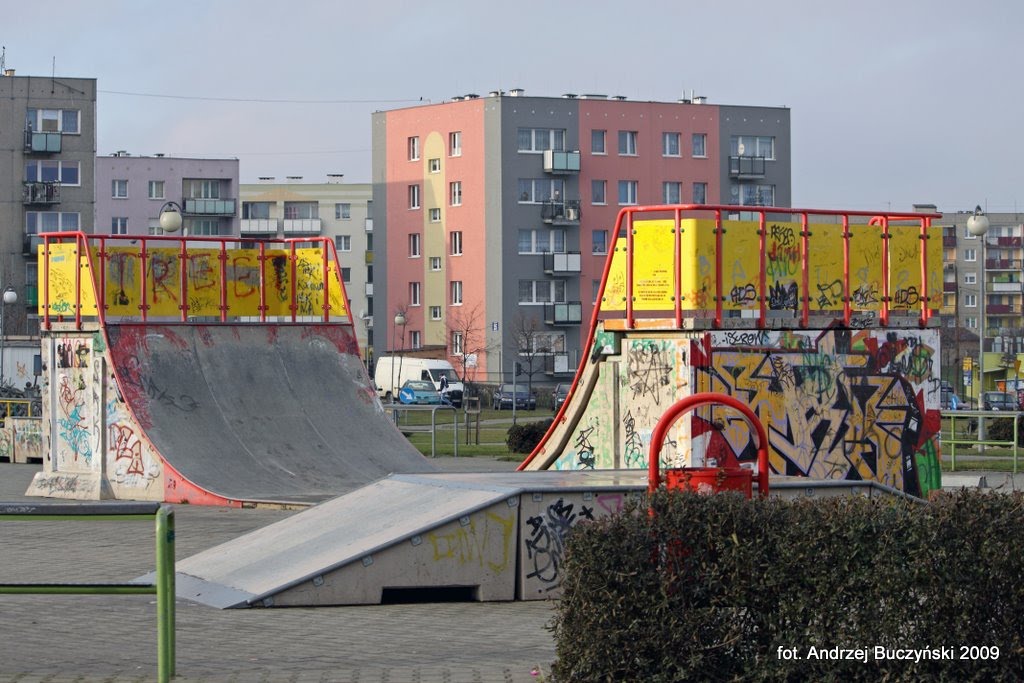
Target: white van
column 393, row 371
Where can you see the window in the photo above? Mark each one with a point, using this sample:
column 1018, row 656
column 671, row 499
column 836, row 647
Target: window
column 414, row 245
column 414, row 148
column 119, row 225
column 435, row 312
column 549, row 342
column 343, row 211
column 414, row 294
column 456, row 291
column 541, row 241
column 752, row 146
column 66, row 121
column 346, row 275
column 206, row 227
column 671, row 192
column 970, row 278
column 595, row 289
column 627, row 192
column 455, row 143
column 627, row 143
column 53, row 171
column 119, row 189
column 597, row 141
column 455, row 193
column 970, row 254
column 415, row 341
column 971, row 300
column 456, row 243
column 414, row 196
column 255, row 210
column 434, row 165
column 435, row 215
column 599, row 240
column 541, row 291
column 700, row 145
column 435, row 263
column 343, row 242
column 540, row 139
column 670, row 144
column 755, row 195
column 972, row 323
column 50, row 221
column 199, row 188
column 301, row 210
column 537, row 190
column 700, row 193
column 156, row 189
column 457, row 344
column 598, row 189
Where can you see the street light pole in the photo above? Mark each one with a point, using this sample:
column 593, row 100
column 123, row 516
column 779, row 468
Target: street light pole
column 399, row 322
column 977, row 226
column 9, row 297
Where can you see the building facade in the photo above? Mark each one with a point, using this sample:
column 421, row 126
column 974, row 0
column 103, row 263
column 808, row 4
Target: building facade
column 341, row 212
column 496, row 212
column 47, row 153
column 131, row 190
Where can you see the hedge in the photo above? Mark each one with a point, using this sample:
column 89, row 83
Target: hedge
column 721, row 588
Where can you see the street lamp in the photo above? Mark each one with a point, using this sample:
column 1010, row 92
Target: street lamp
column 170, row 217
column 9, row 297
column 399, row 322
column 977, row 226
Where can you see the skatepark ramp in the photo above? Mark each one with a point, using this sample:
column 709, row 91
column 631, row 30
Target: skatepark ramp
column 216, row 375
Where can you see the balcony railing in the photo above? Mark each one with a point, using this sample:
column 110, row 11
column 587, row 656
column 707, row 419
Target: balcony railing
column 41, row 193
column 42, row 143
column 949, row 240
column 558, row 212
column 566, row 262
column 368, row 290
column 30, row 245
column 746, row 167
column 210, row 207
column 368, row 224
column 31, row 296
column 558, row 364
column 1003, row 264
column 561, row 162
column 1014, row 287
column 1008, row 241
column 302, row 226
column 949, row 287
column 258, row 226
column 1003, row 309
column 566, row 313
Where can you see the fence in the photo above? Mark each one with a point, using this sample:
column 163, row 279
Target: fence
column 967, row 417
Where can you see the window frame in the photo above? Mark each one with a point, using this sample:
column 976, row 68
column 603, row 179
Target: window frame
column 666, row 137
column 455, row 292
column 414, row 197
column 342, row 211
column 153, row 185
column 455, row 193
column 117, row 184
column 455, row 243
column 413, row 147
column 455, row 143
column 703, row 137
column 602, row 135
column 632, row 190
column 628, row 141
column 415, row 245
column 665, row 186
column 343, row 243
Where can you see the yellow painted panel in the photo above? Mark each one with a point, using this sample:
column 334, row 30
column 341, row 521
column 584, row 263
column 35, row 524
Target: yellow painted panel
column 697, row 271
column 163, row 282
column 339, row 307
column 825, row 266
column 905, row 286
column 123, row 295
column 64, row 261
column 653, row 265
column 203, row 282
column 935, row 276
column 866, row 267
column 243, row 281
column 277, row 274
column 741, row 265
column 614, row 298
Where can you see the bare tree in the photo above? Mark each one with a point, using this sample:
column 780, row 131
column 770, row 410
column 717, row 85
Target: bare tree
column 466, row 336
column 532, row 344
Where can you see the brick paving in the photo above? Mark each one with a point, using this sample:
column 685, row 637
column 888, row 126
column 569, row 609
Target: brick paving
column 88, row 639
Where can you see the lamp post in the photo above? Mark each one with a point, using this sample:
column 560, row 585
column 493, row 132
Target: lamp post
column 399, row 322
column 9, row 297
column 170, row 217
column 977, row 226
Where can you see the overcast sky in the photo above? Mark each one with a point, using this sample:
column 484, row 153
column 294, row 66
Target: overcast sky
column 893, row 101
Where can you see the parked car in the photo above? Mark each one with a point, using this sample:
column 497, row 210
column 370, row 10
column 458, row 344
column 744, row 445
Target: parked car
column 502, row 398
column 559, row 395
column 419, row 392
column 998, row 400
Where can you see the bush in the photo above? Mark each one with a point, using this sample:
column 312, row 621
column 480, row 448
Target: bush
column 714, row 587
column 1001, row 429
column 525, row 437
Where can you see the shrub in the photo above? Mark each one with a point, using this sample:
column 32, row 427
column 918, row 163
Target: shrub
column 525, row 437
column 1001, row 429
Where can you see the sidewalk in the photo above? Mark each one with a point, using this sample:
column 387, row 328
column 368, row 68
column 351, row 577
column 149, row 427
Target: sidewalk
column 113, row 638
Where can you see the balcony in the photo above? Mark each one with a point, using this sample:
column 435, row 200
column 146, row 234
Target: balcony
column 30, row 244
column 949, row 287
column 258, row 226
column 42, row 143
column 368, row 258
column 302, row 226
column 1012, row 287
column 558, row 364
column 949, row 240
column 368, row 291
column 566, row 313
column 368, row 224
column 31, row 296
column 1008, row 241
column 746, row 167
column 41, row 193
column 210, row 207
column 1003, row 309
column 567, row 263
column 1002, row 264
column 561, row 163
column 558, row 212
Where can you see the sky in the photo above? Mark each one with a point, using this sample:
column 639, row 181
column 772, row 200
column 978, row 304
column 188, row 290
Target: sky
column 893, row 102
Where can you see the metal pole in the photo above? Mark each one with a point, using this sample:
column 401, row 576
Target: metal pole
column 3, row 314
column 981, row 344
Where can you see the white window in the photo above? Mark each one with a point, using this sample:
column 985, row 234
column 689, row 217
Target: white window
column 700, row 145
column 752, row 146
column 970, row 278
column 456, row 243
column 455, row 193
column 343, row 242
column 66, row 121
column 414, row 245
column 435, row 312
column 457, row 340
column 671, row 193
column 50, row 221
column 627, row 192
column 970, row 254
column 435, row 263
column 537, row 190
column 119, row 189
column 206, row 227
column 541, row 291
column 455, row 143
column 700, row 193
column 597, row 141
column 346, row 276
column 199, row 188
column 414, row 148
column 342, row 211
column 627, row 143
column 972, row 323
column 599, row 240
column 670, row 145
column 540, row 139
column 532, row 241
column 119, row 225
column 256, row 210
column 295, row 211
column 415, row 340
column 548, row 342
column 598, row 191
column 435, row 215
column 414, row 294
column 456, row 292
column 414, row 196
column 53, row 171
column 434, row 165
column 755, row 195
column 156, row 189
column 971, row 300
column 595, row 289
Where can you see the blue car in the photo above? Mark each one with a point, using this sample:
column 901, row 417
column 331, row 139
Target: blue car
column 419, row 392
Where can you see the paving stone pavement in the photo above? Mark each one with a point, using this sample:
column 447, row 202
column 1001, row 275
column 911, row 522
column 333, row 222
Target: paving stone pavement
column 88, row 639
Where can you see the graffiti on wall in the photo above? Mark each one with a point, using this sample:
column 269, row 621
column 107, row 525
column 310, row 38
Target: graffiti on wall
column 483, row 540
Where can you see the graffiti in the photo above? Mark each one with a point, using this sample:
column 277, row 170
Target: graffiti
column 650, row 368
column 747, row 337
column 584, row 449
column 465, row 545
column 545, row 547
column 163, row 271
column 907, row 298
column 830, row 294
column 782, row 235
column 782, row 296
column 865, row 296
column 6, row 445
column 77, row 357
column 633, row 453
column 244, row 277
column 57, row 484
column 783, row 261
column 73, row 430
column 743, row 295
column 135, row 377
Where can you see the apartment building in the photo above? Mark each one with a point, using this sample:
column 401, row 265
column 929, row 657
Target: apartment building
column 131, row 191
column 342, row 212
column 495, row 212
column 47, row 150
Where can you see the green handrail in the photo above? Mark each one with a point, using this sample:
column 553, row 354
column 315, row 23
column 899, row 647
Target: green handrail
column 163, row 587
column 952, row 441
